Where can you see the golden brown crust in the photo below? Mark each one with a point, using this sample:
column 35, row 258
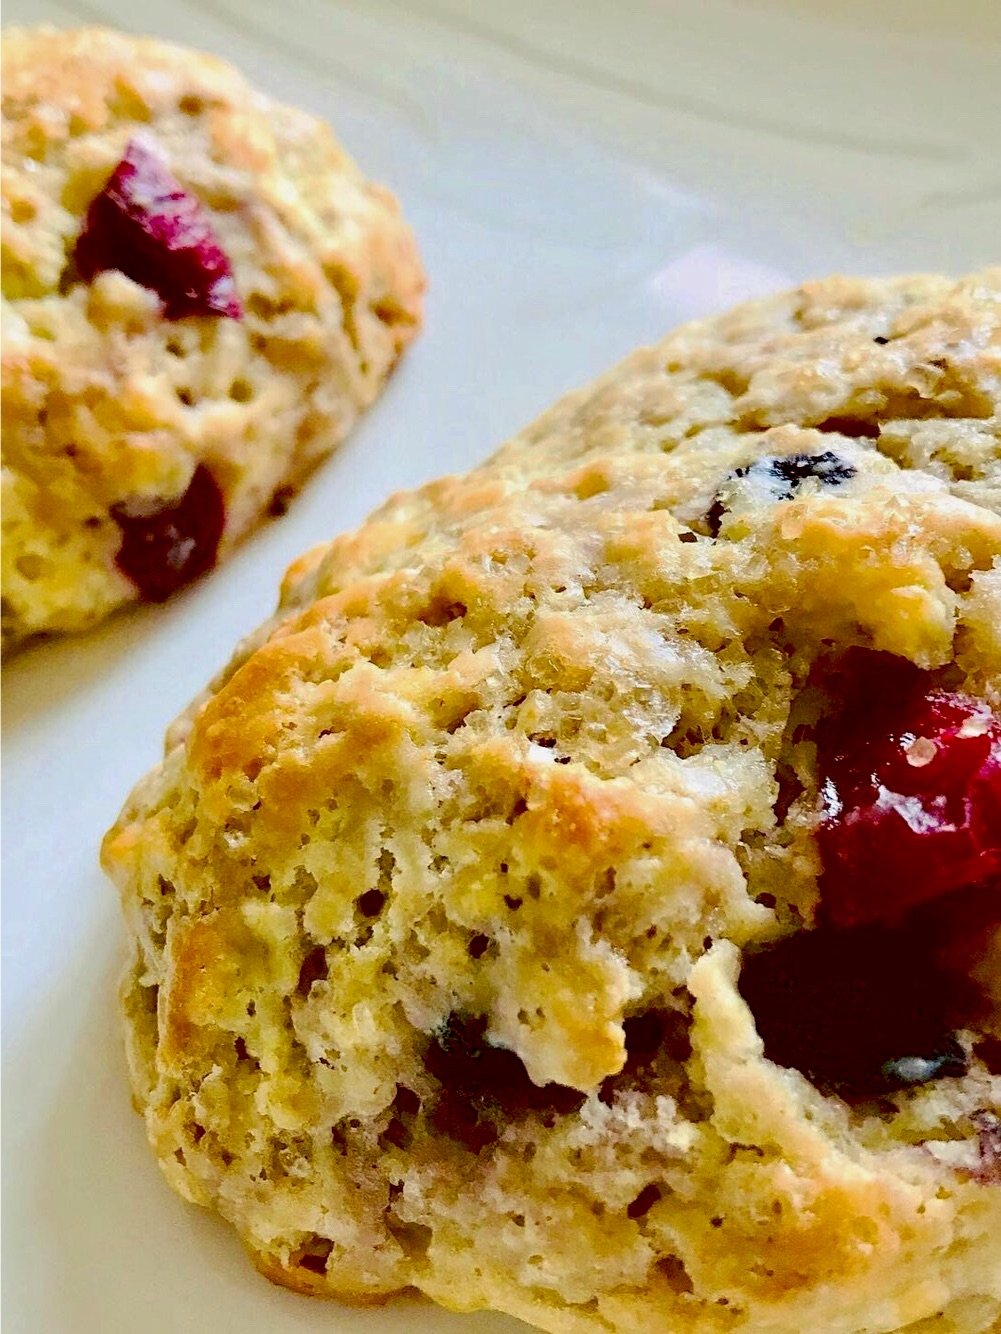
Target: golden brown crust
column 513, row 750
column 105, row 401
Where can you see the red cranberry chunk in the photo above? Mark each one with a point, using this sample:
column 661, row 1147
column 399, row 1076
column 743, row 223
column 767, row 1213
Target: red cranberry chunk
column 911, row 782
column 166, row 548
column 860, row 1012
column 146, row 224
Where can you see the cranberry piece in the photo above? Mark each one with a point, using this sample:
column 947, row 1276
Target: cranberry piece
column 146, row 224
column 482, row 1085
column 860, row 1012
column 988, row 1050
column 164, row 549
column 911, row 783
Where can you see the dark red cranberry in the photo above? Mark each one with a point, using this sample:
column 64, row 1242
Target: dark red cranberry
column 911, row 782
column 483, row 1086
column 988, row 1050
column 146, row 224
column 165, row 548
column 860, row 1012
column 464, row 1122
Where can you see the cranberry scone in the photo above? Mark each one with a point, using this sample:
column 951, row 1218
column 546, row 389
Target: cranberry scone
column 583, row 898
column 201, row 294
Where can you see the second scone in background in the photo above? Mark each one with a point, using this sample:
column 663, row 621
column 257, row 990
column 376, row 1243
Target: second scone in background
column 149, row 423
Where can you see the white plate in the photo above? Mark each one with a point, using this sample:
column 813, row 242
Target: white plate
column 581, row 177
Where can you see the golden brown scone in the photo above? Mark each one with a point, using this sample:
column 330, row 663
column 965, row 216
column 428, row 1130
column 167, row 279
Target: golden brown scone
column 164, row 389
column 582, row 898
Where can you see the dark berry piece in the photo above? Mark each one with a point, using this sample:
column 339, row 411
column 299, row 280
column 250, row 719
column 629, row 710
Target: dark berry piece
column 463, row 1122
column 145, row 224
column 988, row 1050
column 313, row 969
column 854, row 427
column 860, row 1012
column 881, row 340
column 371, row 903
column 644, row 1201
column 482, row 1086
column 779, row 477
column 911, row 782
column 406, row 1102
column 165, row 548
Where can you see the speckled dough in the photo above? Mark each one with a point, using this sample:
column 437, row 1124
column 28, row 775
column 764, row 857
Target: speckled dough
column 512, row 750
column 106, row 402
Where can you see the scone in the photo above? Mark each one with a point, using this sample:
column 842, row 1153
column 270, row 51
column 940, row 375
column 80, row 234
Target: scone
column 583, row 898
column 201, row 294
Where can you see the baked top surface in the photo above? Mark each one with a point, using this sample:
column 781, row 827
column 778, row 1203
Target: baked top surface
column 510, row 755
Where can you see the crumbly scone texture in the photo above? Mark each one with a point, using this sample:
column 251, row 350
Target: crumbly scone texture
column 518, row 749
column 106, row 402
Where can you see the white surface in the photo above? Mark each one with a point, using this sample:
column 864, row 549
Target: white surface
column 581, row 178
